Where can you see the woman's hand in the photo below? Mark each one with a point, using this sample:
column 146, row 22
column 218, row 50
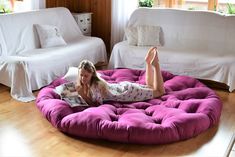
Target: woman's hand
column 83, row 91
column 79, row 89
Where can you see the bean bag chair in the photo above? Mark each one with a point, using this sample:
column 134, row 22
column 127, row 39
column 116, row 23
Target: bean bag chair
column 187, row 109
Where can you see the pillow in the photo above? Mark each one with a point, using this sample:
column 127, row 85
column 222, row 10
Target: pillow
column 131, row 35
column 148, row 35
column 49, row 36
column 3, row 48
column 71, row 75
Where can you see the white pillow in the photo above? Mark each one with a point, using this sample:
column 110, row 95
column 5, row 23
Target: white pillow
column 148, row 35
column 72, row 74
column 49, row 36
column 131, row 35
column 3, row 48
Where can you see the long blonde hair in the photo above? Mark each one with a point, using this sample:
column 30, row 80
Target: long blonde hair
column 95, row 79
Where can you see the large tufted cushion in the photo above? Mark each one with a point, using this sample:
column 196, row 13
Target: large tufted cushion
column 187, row 109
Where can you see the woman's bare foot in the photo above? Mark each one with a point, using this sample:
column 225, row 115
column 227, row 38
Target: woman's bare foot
column 155, row 59
column 149, row 56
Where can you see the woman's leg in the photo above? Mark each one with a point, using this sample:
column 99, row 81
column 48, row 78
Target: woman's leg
column 158, row 88
column 149, row 71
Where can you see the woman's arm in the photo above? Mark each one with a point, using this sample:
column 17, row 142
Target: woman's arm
column 84, row 92
column 87, row 100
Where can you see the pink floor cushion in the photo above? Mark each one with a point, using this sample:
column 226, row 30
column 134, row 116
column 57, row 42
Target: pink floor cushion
column 187, row 109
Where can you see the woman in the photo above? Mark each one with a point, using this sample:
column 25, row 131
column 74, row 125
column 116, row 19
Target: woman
column 93, row 89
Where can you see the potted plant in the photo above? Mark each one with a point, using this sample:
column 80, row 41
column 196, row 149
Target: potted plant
column 230, row 8
column 3, row 10
column 5, row 7
column 145, row 3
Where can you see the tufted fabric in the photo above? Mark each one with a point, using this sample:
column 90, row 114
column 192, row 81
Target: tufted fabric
column 187, row 109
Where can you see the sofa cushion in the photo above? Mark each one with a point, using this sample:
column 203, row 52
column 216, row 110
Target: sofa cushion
column 143, row 35
column 49, row 36
column 131, row 35
column 148, row 35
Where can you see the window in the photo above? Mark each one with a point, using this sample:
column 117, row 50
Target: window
column 20, row 5
column 7, row 6
column 222, row 6
column 196, row 4
column 227, row 6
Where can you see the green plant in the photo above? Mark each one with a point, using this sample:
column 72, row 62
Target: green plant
column 191, row 8
column 3, row 9
column 215, row 6
column 145, row 3
column 230, row 8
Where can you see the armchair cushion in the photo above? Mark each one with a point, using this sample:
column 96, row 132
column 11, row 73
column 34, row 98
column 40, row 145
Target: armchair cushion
column 131, row 35
column 148, row 35
column 49, row 36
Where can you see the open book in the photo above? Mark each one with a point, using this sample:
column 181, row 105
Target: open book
column 68, row 93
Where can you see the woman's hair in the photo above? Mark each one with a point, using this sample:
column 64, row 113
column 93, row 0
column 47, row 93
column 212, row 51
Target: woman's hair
column 89, row 66
column 95, row 79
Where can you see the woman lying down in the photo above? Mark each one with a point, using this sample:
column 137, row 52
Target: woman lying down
column 94, row 90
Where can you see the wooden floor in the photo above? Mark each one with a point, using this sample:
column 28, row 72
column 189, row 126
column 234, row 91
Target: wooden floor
column 24, row 132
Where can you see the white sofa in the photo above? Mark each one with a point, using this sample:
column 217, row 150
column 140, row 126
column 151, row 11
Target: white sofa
column 200, row 44
column 25, row 67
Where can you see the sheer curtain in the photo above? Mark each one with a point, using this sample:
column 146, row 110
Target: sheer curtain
column 121, row 11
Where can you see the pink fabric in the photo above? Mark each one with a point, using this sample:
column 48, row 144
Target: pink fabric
column 187, row 109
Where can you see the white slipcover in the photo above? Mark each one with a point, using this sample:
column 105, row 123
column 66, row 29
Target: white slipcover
column 25, row 66
column 194, row 43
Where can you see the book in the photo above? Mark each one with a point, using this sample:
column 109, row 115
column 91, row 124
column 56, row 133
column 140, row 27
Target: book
column 68, row 93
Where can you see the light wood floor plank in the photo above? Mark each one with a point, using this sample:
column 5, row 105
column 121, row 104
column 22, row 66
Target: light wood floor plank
column 24, row 132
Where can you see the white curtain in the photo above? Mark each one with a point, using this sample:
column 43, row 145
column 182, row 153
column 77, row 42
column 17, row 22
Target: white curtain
column 121, row 11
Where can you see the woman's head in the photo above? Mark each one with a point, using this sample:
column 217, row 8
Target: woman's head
column 87, row 73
